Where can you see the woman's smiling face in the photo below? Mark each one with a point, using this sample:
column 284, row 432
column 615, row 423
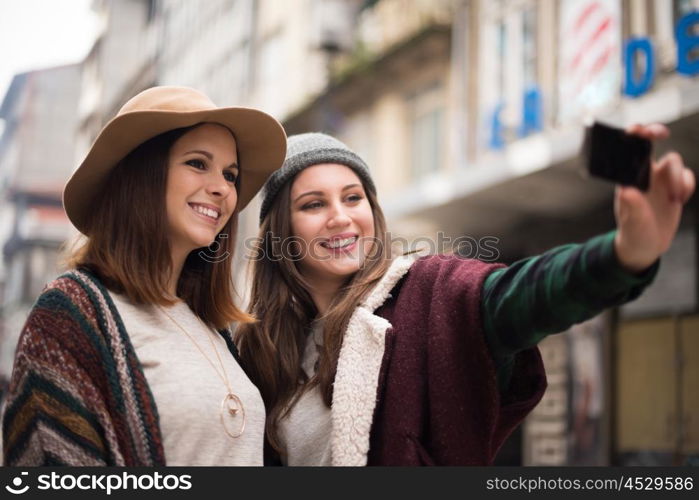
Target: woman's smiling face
column 201, row 194
column 333, row 221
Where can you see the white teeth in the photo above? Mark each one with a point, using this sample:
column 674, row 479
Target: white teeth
column 206, row 211
column 341, row 243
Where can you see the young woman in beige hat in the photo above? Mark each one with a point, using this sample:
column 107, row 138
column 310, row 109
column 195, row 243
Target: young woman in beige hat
column 126, row 359
column 366, row 359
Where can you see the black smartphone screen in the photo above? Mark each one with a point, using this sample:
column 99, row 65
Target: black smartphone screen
column 613, row 154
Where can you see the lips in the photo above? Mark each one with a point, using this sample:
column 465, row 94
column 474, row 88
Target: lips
column 344, row 241
column 209, row 212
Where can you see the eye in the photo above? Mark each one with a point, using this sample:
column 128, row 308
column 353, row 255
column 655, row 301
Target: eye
column 312, row 205
column 230, row 176
column 354, row 198
column 196, row 163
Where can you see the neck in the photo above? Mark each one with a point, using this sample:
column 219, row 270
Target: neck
column 323, row 293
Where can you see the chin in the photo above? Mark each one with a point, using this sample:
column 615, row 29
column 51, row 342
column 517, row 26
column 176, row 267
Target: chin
column 345, row 271
column 203, row 241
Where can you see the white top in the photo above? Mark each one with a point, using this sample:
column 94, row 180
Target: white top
column 305, row 432
column 187, row 390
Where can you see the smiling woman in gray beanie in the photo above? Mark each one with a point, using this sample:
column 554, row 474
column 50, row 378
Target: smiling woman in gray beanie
column 364, row 358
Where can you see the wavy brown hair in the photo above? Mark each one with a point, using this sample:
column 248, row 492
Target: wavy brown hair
column 128, row 246
column 272, row 348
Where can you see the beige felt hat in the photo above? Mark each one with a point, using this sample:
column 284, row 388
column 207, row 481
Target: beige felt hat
column 260, row 139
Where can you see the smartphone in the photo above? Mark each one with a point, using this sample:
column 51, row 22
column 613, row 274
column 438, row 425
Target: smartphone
column 617, row 156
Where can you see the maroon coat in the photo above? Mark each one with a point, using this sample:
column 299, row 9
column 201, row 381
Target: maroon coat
column 435, row 395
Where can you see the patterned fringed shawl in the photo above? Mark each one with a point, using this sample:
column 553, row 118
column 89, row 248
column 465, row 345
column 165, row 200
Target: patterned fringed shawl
column 78, row 395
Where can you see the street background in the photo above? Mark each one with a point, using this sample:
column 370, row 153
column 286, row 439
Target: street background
column 470, row 114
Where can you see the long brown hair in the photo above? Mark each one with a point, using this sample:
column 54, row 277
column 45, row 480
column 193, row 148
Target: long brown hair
column 272, row 348
column 128, row 246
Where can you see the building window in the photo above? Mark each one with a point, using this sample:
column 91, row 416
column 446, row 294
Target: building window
column 427, row 130
column 358, row 134
column 589, row 73
column 664, row 18
column 272, row 98
column 529, row 46
column 510, row 104
column 151, row 6
column 684, row 7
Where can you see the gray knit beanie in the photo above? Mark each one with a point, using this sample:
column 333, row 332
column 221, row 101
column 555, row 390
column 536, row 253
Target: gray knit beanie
column 306, row 150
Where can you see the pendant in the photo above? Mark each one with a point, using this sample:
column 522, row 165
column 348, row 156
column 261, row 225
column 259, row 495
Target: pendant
column 232, row 410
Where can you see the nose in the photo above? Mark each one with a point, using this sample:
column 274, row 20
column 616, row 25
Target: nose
column 338, row 217
column 218, row 187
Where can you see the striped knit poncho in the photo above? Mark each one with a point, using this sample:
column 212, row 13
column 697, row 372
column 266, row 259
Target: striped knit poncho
column 78, row 395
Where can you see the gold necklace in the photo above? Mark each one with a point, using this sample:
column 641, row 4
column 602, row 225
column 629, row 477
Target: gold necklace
column 231, row 403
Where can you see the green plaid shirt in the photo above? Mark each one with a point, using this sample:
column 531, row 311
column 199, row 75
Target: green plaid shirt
column 537, row 296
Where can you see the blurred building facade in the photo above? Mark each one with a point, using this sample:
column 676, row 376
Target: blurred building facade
column 470, row 114
column 120, row 64
column 36, row 157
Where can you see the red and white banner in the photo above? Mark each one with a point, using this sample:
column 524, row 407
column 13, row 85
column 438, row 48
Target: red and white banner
column 589, row 65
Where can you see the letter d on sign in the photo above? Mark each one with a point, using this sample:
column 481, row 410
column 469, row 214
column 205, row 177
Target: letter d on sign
column 634, row 87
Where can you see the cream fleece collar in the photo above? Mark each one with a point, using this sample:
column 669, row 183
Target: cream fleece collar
column 358, row 366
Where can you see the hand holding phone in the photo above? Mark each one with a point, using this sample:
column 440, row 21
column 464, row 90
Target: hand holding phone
column 616, row 155
column 647, row 222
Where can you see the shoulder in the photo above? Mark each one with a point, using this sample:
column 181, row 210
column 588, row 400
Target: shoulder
column 76, row 282
column 414, row 274
column 70, row 282
column 76, row 292
column 443, row 269
column 444, row 276
column 67, row 321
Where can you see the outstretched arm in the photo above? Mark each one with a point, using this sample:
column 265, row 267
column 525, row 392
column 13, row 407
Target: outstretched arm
column 548, row 293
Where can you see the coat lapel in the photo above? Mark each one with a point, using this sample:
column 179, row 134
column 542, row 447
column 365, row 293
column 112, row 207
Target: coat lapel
column 358, row 367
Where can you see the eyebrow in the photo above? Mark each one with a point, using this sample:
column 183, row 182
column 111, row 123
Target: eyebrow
column 210, row 157
column 320, row 193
